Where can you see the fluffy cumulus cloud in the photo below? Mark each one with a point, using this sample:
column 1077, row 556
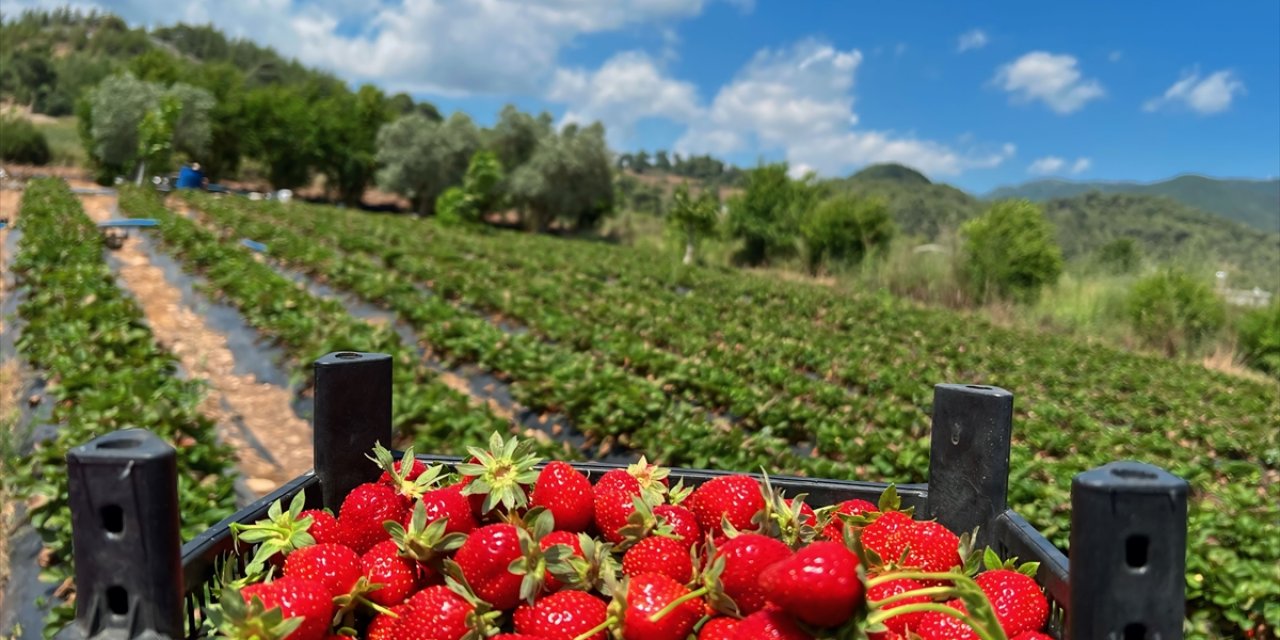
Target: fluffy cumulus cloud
column 1204, row 95
column 1053, row 79
column 799, row 100
column 450, row 47
column 1054, row 165
column 975, row 39
column 629, row 87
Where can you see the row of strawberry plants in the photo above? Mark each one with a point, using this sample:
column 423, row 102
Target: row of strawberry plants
column 810, row 409
column 602, row 400
column 104, row 371
column 425, row 411
column 1088, row 403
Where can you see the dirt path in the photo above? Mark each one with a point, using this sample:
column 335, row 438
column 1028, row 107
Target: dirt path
column 273, row 445
column 10, row 388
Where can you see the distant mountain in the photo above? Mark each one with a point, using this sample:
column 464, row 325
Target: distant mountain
column 1252, row 202
column 920, row 207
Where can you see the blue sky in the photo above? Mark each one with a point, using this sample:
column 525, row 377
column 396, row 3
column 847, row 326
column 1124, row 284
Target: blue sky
column 977, row 95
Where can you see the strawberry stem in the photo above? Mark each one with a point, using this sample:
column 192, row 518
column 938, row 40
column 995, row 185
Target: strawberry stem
column 933, row 593
column 598, row 628
column 982, row 631
column 662, row 613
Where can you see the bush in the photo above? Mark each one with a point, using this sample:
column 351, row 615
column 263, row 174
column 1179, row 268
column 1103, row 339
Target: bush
column 844, row 229
column 21, row 142
column 1173, row 311
column 1010, row 252
column 1259, row 335
column 1119, row 256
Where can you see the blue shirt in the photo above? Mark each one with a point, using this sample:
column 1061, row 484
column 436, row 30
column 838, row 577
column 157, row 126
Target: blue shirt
column 189, row 178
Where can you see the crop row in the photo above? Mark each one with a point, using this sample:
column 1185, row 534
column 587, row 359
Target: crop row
column 104, row 371
column 1080, row 404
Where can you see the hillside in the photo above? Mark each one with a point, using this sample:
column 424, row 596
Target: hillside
column 920, row 207
column 1252, row 202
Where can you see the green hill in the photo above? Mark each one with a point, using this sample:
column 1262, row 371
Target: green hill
column 1252, row 202
column 920, row 207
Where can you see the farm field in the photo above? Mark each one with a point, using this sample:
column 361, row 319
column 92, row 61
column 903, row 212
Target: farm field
column 607, row 351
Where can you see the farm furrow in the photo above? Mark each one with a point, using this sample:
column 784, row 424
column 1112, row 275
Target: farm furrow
column 256, row 418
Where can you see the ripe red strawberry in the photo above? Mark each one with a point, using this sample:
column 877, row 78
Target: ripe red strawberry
column 770, row 624
column 324, row 527
column 449, row 503
column 1032, row 635
column 722, row 628
column 562, row 616
column 567, row 494
column 683, row 523
column 940, row 626
column 807, row 515
column 611, row 510
column 363, row 512
column 1016, row 598
column 553, row 584
column 333, row 566
column 887, row 535
column 737, row 498
column 616, row 479
column 399, row 576
column 745, row 557
column 900, row 623
column 650, row 593
column 659, row 554
column 485, row 559
column 933, row 548
column 500, row 474
column 818, row 584
column 415, row 470
column 296, row 598
column 435, row 613
column 835, row 528
column 383, row 626
column 516, row 636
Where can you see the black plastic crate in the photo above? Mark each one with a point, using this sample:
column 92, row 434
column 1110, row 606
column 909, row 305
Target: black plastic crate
column 1128, row 519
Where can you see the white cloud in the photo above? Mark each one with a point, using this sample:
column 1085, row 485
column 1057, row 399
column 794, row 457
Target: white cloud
column 800, row 101
column 450, row 47
column 975, row 39
column 1209, row 95
column 1054, row 165
column 629, row 87
column 1051, row 78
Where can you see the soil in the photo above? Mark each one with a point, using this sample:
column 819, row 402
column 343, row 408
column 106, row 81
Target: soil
column 10, row 389
column 263, row 410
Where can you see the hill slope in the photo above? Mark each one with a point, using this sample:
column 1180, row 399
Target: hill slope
column 1252, row 202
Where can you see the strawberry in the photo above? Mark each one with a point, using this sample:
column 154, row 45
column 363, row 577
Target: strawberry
column 722, row 628
column 900, row 623
column 516, row 636
column 818, row 584
column 554, row 538
column 887, row 535
column 296, row 598
column 745, row 557
column 333, row 566
column 683, row 523
column 933, row 548
column 1032, row 635
column 807, row 515
column 612, row 508
column 562, row 616
column 415, row 470
column 500, row 474
column 658, row 554
column 485, row 559
column 835, row 527
column 567, row 494
column 362, row 513
column 383, row 626
column 614, row 479
column 1016, row 598
column 934, row 625
column 435, row 613
column 653, row 594
column 770, row 624
column 736, row 498
column 276, row 536
column 448, row 503
column 399, row 576
column 324, row 527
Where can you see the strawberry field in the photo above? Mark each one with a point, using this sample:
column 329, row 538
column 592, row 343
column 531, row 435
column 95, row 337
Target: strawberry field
column 639, row 356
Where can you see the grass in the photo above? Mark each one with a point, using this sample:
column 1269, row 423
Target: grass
column 64, row 141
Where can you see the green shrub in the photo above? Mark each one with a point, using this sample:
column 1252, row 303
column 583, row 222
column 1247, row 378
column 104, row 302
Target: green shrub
column 21, row 142
column 1010, row 252
column 844, row 229
column 1259, row 334
column 1173, row 311
column 455, row 207
column 1119, row 256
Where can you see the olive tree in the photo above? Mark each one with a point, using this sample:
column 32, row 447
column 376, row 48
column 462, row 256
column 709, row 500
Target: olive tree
column 122, row 108
column 568, row 178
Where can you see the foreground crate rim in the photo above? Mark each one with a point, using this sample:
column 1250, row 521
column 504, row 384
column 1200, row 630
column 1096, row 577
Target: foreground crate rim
column 1128, row 518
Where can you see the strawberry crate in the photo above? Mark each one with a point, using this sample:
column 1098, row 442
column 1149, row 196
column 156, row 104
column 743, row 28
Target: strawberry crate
column 135, row 578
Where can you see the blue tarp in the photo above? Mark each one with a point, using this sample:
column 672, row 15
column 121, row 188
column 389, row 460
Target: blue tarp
column 189, row 178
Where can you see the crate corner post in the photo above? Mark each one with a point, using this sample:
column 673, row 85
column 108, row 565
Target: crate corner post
column 969, row 457
column 352, row 414
column 123, row 493
column 1128, row 560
